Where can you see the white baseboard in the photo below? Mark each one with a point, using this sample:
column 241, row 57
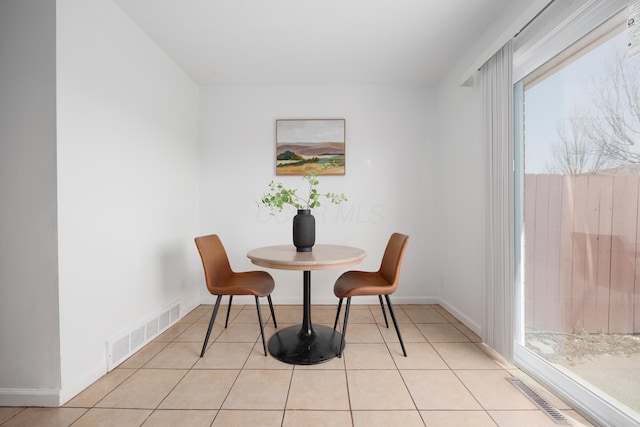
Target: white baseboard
column 361, row 300
column 68, row 393
column 29, row 397
column 477, row 329
column 187, row 308
column 413, row 300
column 58, row 397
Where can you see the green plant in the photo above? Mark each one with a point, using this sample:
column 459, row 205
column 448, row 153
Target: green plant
column 278, row 196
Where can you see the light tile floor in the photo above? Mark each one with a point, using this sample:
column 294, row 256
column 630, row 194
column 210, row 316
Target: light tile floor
column 447, row 379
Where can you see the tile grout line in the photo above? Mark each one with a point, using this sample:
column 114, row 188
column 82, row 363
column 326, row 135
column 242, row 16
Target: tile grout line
column 404, row 381
column 235, row 380
column 286, row 400
column 187, row 370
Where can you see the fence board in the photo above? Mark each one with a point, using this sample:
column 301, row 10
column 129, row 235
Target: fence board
column 603, row 276
column 566, row 250
column 636, row 295
column 529, row 250
column 540, row 254
column 625, row 203
column 581, row 253
column 554, row 299
column 592, row 215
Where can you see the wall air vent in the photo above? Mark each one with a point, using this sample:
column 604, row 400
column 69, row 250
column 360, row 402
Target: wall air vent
column 120, row 347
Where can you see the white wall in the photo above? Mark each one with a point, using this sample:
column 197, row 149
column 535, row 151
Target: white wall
column 29, row 330
column 391, row 178
column 461, row 201
column 127, row 181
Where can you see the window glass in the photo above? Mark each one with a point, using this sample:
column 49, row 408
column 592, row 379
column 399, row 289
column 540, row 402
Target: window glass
column 581, row 214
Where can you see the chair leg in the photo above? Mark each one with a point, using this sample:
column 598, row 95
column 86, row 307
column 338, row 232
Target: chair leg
column 384, row 313
column 226, row 322
column 337, row 314
column 344, row 326
column 273, row 313
column 213, row 319
column 395, row 323
column 264, row 344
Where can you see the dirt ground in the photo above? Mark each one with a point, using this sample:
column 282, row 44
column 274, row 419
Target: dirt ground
column 573, row 349
column 609, row 363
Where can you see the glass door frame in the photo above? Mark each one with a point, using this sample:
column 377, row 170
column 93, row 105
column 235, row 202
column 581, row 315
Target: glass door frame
column 568, row 388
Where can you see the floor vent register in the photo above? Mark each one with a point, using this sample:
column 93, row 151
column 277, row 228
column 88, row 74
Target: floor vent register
column 546, row 407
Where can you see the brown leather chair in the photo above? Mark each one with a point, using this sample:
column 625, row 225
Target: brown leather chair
column 381, row 282
column 221, row 280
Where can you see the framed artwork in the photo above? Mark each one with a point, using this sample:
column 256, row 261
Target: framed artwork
column 306, row 145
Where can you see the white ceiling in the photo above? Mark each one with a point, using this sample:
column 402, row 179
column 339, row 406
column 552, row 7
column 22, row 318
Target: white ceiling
column 284, row 42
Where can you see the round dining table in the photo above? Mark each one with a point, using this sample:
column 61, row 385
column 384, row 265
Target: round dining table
column 306, row 344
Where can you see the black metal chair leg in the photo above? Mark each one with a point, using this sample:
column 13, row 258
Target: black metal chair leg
column 226, row 322
column 273, row 313
column 264, row 344
column 213, row 319
column 335, row 324
column 344, row 327
column 395, row 323
column 384, row 313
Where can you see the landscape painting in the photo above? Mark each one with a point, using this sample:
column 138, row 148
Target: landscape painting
column 315, row 145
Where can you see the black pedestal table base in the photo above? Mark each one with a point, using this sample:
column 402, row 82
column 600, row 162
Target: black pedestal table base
column 305, row 344
column 291, row 346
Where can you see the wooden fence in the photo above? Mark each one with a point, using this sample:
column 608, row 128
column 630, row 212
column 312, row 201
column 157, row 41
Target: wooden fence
column 582, row 253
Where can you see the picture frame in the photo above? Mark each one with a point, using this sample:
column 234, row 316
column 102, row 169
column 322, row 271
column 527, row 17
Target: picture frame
column 310, row 145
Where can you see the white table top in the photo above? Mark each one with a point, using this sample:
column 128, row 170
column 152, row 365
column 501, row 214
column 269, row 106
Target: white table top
column 322, row 257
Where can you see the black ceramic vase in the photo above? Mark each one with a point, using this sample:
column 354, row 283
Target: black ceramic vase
column 304, row 230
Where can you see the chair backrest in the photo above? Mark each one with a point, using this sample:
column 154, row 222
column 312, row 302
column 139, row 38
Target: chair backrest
column 214, row 260
column 392, row 258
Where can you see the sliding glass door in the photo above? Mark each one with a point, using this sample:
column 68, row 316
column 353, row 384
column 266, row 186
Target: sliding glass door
column 578, row 117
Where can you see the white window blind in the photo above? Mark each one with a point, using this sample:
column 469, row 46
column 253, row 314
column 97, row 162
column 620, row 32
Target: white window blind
column 497, row 95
